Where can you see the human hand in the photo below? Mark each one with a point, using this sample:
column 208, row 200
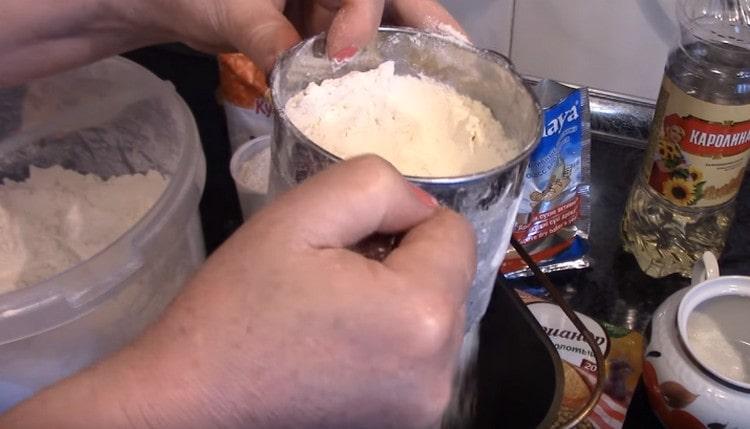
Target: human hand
column 283, row 327
column 260, row 29
column 45, row 36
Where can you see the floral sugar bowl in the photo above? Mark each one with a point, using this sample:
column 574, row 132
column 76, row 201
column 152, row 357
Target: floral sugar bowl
column 697, row 364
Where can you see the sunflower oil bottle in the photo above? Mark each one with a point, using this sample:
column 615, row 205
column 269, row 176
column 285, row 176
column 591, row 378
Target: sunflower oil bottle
column 682, row 202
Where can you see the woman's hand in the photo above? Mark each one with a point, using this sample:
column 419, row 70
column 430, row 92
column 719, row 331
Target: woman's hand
column 260, row 29
column 284, row 327
column 45, row 36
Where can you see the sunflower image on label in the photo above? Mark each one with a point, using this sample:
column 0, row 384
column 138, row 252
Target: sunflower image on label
column 701, row 149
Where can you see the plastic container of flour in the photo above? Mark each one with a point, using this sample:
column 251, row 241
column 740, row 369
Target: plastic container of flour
column 109, row 119
column 250, row 167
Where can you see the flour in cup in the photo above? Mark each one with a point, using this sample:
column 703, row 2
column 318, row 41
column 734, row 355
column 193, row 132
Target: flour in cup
column 423, row 127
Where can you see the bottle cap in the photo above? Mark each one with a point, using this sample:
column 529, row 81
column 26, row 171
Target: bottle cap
column 717, row 21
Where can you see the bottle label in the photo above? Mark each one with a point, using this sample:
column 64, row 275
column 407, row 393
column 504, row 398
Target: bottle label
column 698, row 151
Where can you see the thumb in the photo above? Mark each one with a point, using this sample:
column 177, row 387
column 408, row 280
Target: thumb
column 262, row 33
column 346, row 203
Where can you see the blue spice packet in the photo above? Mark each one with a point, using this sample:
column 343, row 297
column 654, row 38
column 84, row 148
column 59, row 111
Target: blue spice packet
column 553, row 220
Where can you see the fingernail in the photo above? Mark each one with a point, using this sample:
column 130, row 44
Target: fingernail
column 423, row 196
column 345, row 54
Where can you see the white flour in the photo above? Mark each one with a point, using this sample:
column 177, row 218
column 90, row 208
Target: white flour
column 423, row 127
column 58, row 218
column 718, row 333
column 253, row 174
column 452, row 33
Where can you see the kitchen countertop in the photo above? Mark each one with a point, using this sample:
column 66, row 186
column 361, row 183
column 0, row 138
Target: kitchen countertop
column 613, row 289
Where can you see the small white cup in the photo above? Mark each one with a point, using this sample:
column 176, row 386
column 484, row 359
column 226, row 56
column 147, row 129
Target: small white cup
column 250, row 174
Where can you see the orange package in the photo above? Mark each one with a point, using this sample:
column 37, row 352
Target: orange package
column 243, row 91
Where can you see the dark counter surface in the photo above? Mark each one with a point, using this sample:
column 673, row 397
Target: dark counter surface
column 613, row 289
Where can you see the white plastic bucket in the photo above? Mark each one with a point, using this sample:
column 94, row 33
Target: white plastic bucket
column 109, row 118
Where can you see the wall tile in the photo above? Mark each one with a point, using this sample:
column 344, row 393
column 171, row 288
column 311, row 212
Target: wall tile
column 615, row 45
column 488, row 22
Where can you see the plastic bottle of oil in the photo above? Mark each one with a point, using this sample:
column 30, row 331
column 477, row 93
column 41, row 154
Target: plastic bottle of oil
column 682, row 202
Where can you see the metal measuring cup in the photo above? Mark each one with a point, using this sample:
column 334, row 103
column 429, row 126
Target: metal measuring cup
column 489, row 199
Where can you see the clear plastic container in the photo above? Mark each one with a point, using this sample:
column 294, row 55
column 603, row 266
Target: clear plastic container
column 110, row 118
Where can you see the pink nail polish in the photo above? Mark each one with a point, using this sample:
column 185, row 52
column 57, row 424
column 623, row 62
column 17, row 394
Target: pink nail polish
column 423, row 196
column 345, row 54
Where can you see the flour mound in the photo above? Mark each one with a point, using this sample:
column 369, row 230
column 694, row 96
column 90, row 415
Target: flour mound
column 58, row 218
column 424, row 127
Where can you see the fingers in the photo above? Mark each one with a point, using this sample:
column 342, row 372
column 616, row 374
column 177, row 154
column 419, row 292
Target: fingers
column 310, row 18
column 439, row 251
column 426, row 15
column 346, row 203
column 262, row 33
column 357, row 21
column 355, row 24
